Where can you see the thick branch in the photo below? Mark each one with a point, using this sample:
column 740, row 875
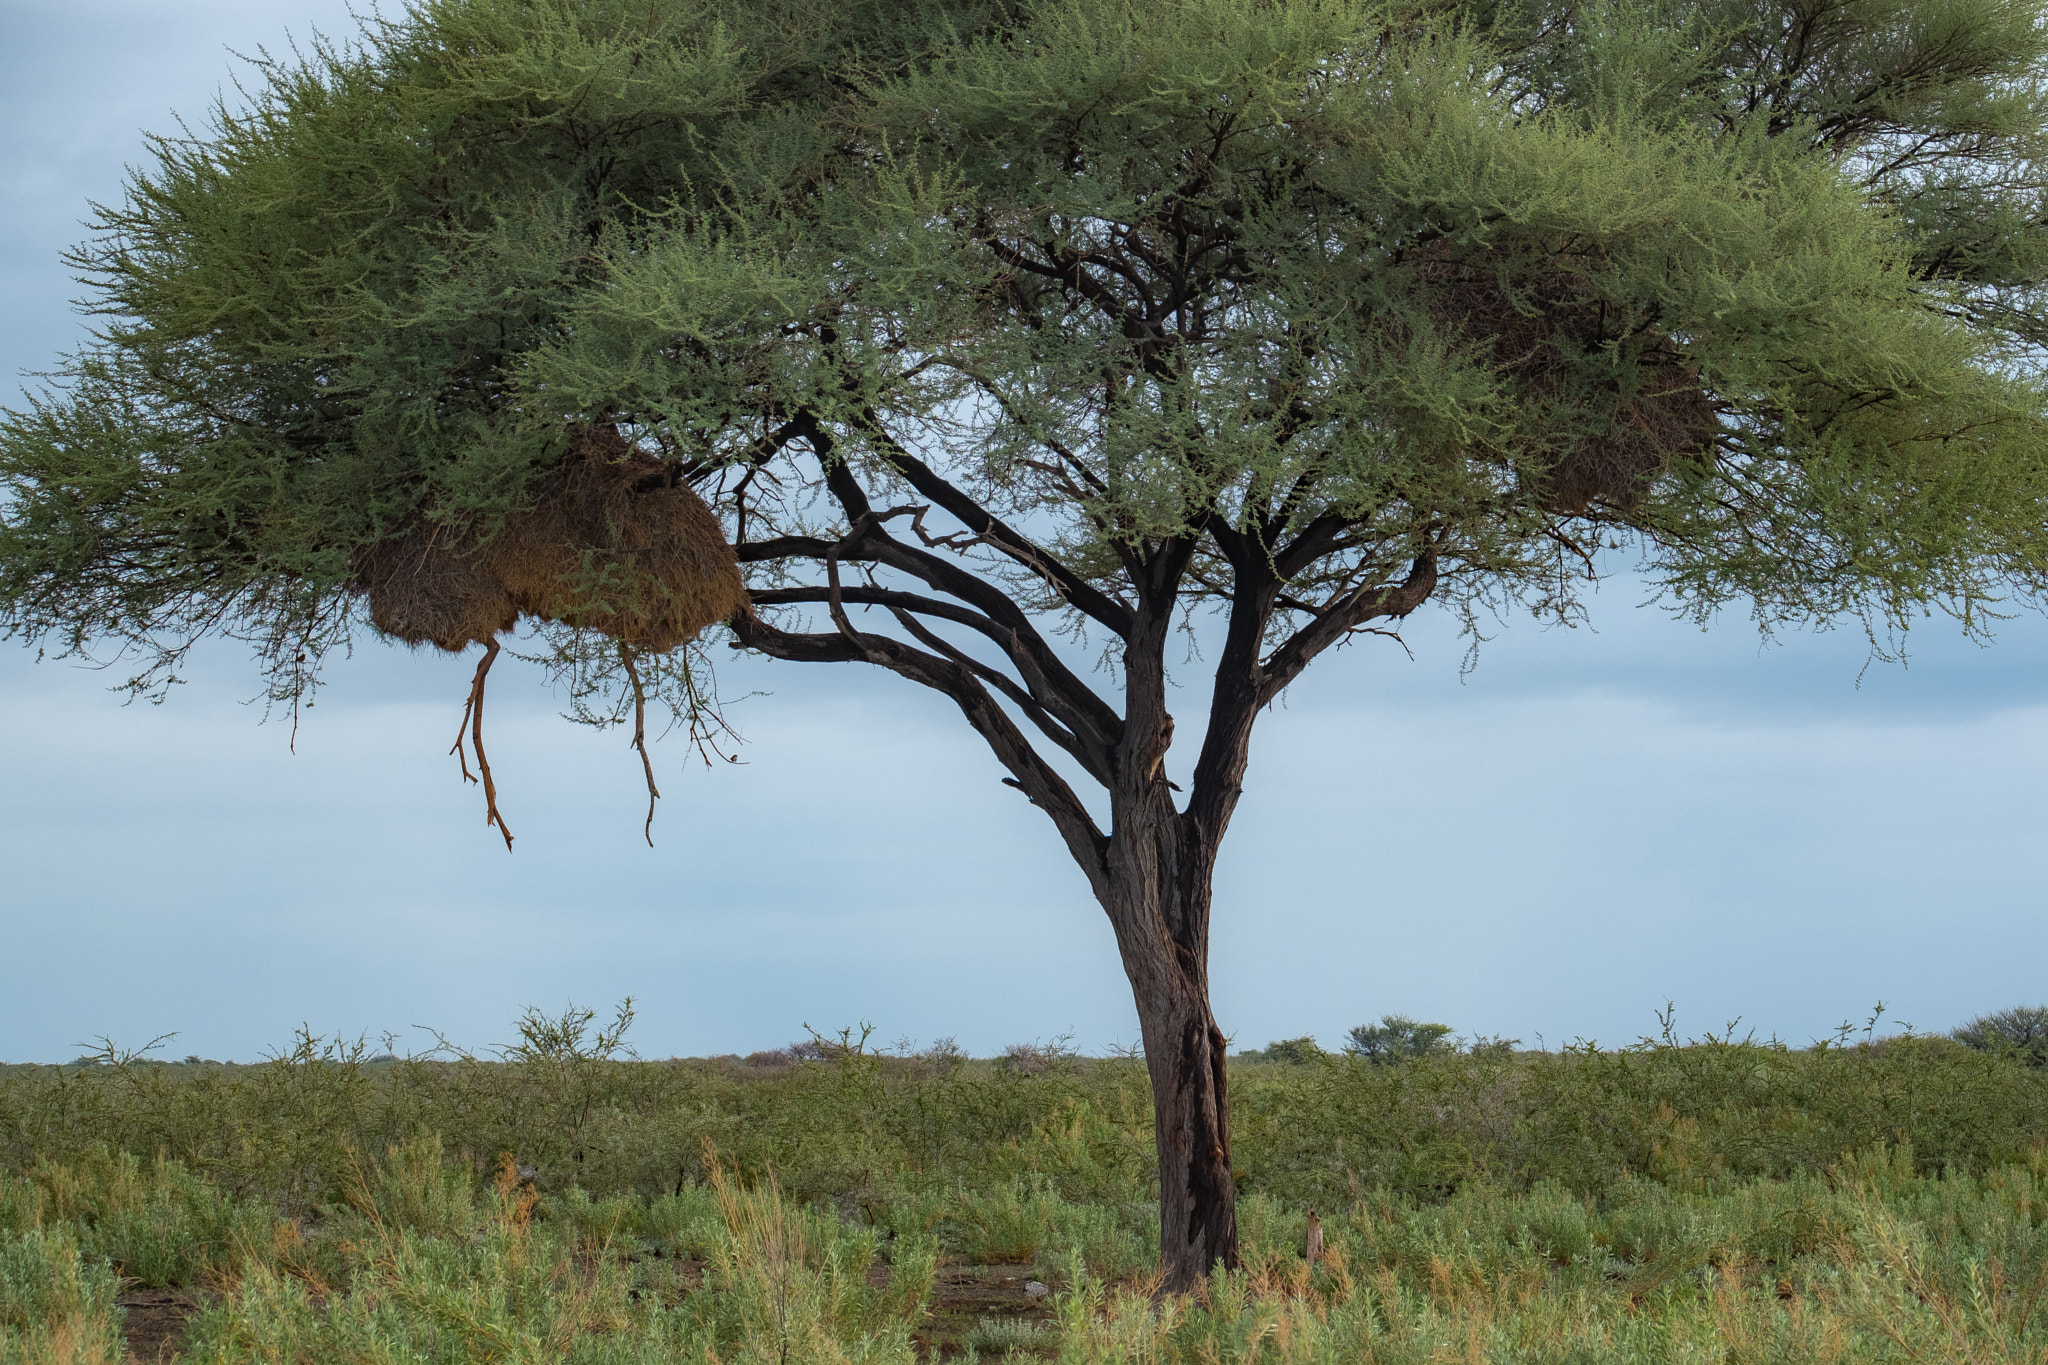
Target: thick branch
column 1317, row 539
column 1078, row 592
column 1244, row 686
column 1024, row 701
column 1045, row 788
column 1355, row 610
column 904, row 603
column 1234, row 700
column 1093, row 722
column 869, row 596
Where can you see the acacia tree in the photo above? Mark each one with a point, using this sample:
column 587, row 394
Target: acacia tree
column 1008, row 332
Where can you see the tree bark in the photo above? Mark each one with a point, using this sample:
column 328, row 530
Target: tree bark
column 1184, row 1055
column 1155, row 888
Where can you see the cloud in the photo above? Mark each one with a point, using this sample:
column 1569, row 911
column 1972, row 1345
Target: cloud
column 1594, row 821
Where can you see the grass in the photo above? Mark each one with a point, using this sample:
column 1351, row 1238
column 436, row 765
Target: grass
column 1718, row 1201
column 56, row 1304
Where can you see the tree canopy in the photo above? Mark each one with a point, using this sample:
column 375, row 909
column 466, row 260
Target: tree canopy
column 1141, row 275
column 979, row 322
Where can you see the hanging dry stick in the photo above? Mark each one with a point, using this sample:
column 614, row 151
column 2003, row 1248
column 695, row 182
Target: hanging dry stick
column 473, row 720
column 640, row 737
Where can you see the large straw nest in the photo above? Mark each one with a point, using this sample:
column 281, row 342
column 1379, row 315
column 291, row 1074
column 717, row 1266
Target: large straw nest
column 614, row 542
column 1539, row 340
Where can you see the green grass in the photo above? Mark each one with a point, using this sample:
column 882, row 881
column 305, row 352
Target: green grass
column 1717, row 1201
column 56, row 1301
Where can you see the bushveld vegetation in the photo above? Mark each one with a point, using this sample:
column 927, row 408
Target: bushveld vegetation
column 973, row 341
column 1862, row 1199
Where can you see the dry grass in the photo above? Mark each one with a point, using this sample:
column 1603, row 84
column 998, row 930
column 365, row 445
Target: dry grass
column 1721, row 1203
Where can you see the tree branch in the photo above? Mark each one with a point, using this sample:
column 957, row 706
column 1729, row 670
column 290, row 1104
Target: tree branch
column 1317, row 539
column 792, row 547
column 1052, row 729
column 904, row 603
column 1094, row 722
column 1360, row 606
column 1030, row 773
column 1078, row 592
column 1234, row 698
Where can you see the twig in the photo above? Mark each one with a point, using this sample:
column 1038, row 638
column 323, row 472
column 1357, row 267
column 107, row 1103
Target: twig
column 473, row 718
column 298, row 688
column 1393, row 635
column 640, row 737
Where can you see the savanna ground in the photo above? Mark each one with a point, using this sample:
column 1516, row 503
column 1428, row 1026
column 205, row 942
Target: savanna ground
column 1882, row 1200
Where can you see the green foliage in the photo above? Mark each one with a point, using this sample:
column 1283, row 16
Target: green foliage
column 56, row 1301
column 2021, row 1032
column 975, row 1151
column 1628, row 1205
column 1289, row 1051
column 382, row 292
column 412, row 1188
column 1002, row 1336
column 1873, row 1263
column 1027, row 1220
column 493, row 1284
column 154, row 1222
column 1397, row 1038
column 1692, row 1115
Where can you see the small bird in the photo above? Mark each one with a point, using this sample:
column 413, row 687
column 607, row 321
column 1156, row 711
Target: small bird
column 1315, row 1237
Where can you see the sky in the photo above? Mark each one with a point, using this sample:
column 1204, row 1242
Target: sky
column 1591, row 824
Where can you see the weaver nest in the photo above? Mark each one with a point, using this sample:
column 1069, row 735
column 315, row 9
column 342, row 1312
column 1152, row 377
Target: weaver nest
column 1537, row 341
column 613, row 542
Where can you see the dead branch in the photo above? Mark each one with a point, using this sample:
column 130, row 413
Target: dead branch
column 473, row 720
column 640, row 737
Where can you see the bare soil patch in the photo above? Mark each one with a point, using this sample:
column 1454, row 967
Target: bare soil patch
column 155, row 1322
column 962, row 1295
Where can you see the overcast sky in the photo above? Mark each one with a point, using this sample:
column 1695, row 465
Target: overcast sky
column 1593, row 823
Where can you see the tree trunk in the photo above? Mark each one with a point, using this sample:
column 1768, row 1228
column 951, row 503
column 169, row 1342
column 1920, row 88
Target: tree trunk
column 1153, row 870
column 1157, row 895
column 1191, row 1126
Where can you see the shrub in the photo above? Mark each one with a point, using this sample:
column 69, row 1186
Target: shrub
column 2021, row 1032
column 1288, row 1052
column 1003, row 1336
column 1397, row 1038
column 56, row 1304
column 309, row 1130
column 1057, row 1057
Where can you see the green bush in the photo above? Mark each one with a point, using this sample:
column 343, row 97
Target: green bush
column 1397, row 1038
column 155, row 1223
column 1287, row 1052
column 443, row 1210
column 1001, row 1336
column 318, row 1127
column 2020, row 1033
column 56, row 1301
